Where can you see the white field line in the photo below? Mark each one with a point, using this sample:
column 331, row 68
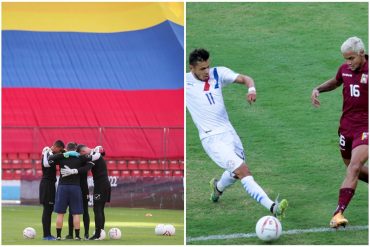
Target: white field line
column 289, row 232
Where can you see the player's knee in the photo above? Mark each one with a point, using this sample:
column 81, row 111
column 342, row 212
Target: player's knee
column 354, row 168
column 242, row 171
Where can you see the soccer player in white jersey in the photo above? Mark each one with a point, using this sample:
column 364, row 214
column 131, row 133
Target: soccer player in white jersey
column 205, row 103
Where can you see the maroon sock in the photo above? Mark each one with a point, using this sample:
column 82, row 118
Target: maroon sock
column 345, row 196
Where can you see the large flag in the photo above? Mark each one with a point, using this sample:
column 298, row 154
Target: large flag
column 70, row 69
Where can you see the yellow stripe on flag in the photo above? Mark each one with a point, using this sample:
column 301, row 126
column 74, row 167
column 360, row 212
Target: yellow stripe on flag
column 97, row 17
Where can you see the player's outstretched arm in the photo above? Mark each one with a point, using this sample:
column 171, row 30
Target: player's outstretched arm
column 55, row 157
column 327, row 86
column 249, row 83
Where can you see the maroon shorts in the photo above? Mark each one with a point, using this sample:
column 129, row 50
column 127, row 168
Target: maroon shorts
column 349, row 139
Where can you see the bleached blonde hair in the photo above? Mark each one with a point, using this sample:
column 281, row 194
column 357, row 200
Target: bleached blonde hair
column 354, row 44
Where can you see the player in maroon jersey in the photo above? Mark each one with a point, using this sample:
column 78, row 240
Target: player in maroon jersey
column 353, row 129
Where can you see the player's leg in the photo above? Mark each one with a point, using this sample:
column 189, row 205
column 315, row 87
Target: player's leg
column 59, row 225
column 347, row 190
column 99, row 218
column 218, row 186
column 46, row 220
column 364, row 172
column 61, row 204
column 76, row 208
column 86, row 217
column 70, row 226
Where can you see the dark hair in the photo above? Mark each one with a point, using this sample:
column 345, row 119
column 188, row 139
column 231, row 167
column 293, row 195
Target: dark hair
column 71, row 146
column 79, row 147
column 59, row 143
column 198, row 55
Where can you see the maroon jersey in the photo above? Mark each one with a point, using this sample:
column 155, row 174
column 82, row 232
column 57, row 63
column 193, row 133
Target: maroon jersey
column 355, row 96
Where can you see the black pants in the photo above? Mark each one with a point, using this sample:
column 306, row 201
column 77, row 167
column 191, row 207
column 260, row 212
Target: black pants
column 46, row 218
column 99, row 216
column 86, row 219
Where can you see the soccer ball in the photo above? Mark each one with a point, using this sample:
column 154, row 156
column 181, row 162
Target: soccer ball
column 102, row 234
column 268, row 228
column 29, row 233
column 169, row 230
column 159, row 229
column 115, row 233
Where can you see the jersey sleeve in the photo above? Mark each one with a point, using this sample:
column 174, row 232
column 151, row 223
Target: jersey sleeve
column 226, row 76
column 86, row 167
column 52, row 159
column 339, row 77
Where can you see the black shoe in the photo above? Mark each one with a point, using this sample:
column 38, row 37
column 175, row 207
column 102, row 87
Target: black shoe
column 94, row 238
column 58, row 238
column 86, row 237
column 69, row 236
column 77, row 238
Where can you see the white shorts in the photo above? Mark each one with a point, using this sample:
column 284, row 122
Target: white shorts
column 225, row 149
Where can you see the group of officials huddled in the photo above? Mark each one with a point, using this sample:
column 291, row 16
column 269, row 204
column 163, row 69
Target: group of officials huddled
column 74, row 161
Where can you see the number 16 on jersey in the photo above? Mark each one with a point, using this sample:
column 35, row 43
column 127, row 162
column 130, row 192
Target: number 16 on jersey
column 210, row 98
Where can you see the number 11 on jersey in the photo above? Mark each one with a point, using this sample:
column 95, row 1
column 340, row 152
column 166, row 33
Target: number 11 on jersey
column 210, row 98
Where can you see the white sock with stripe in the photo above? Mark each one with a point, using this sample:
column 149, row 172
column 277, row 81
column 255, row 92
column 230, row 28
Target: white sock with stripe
column 256, row 192
column 227, row 179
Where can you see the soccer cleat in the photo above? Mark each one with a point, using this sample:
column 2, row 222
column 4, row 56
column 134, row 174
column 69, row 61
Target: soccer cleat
column 49, row 238
column 69, row 236
column 338, row 220
column 77, row 238
column 58, row 238
column 279, row 208
column 215, row 193
column 94, row 238
column 86, row 237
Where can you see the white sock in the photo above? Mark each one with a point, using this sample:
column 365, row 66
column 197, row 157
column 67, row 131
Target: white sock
column 256, row 192
column 225, row 181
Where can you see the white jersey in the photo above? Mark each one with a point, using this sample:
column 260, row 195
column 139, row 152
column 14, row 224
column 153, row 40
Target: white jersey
column 206, row 104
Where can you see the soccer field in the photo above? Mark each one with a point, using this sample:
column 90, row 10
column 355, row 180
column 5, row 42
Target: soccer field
column 136, row 228
column 288, row 48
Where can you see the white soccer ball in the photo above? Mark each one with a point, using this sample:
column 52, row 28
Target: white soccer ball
column 29, row 233
column 159, row 229
column 169, row 230
column 115, row 233
column 268, row 228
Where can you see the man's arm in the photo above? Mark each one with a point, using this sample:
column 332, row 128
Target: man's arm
column 249, row 83
column 327, row 86
column 52, row 159
column 66, row 171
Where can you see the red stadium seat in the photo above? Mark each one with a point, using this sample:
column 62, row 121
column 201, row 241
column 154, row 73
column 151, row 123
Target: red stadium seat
column 114, row 173
column 29, row 172
column 35, row 156
column 39, row 173
column 167, row 173
column 178, row 174
column 6, row 161
column 143, row 165
column 125, row 173
column 132, row 165
column 122, row 165
column 112, row 165
column 6, row 166
column 16, row 164
column 154, row 165
column 164, row 164
column 181, row 165
column 17, row 174
column 27, row 164
column 147, row 173
column 157, row 173
column 12, row 156
column 174, row 165
column 38, row 163
column 23, row 156
column 136, row 173
column 7, row 174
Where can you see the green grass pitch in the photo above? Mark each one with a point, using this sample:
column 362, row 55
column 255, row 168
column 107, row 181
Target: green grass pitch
column 136, row 228
column 288, row 48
